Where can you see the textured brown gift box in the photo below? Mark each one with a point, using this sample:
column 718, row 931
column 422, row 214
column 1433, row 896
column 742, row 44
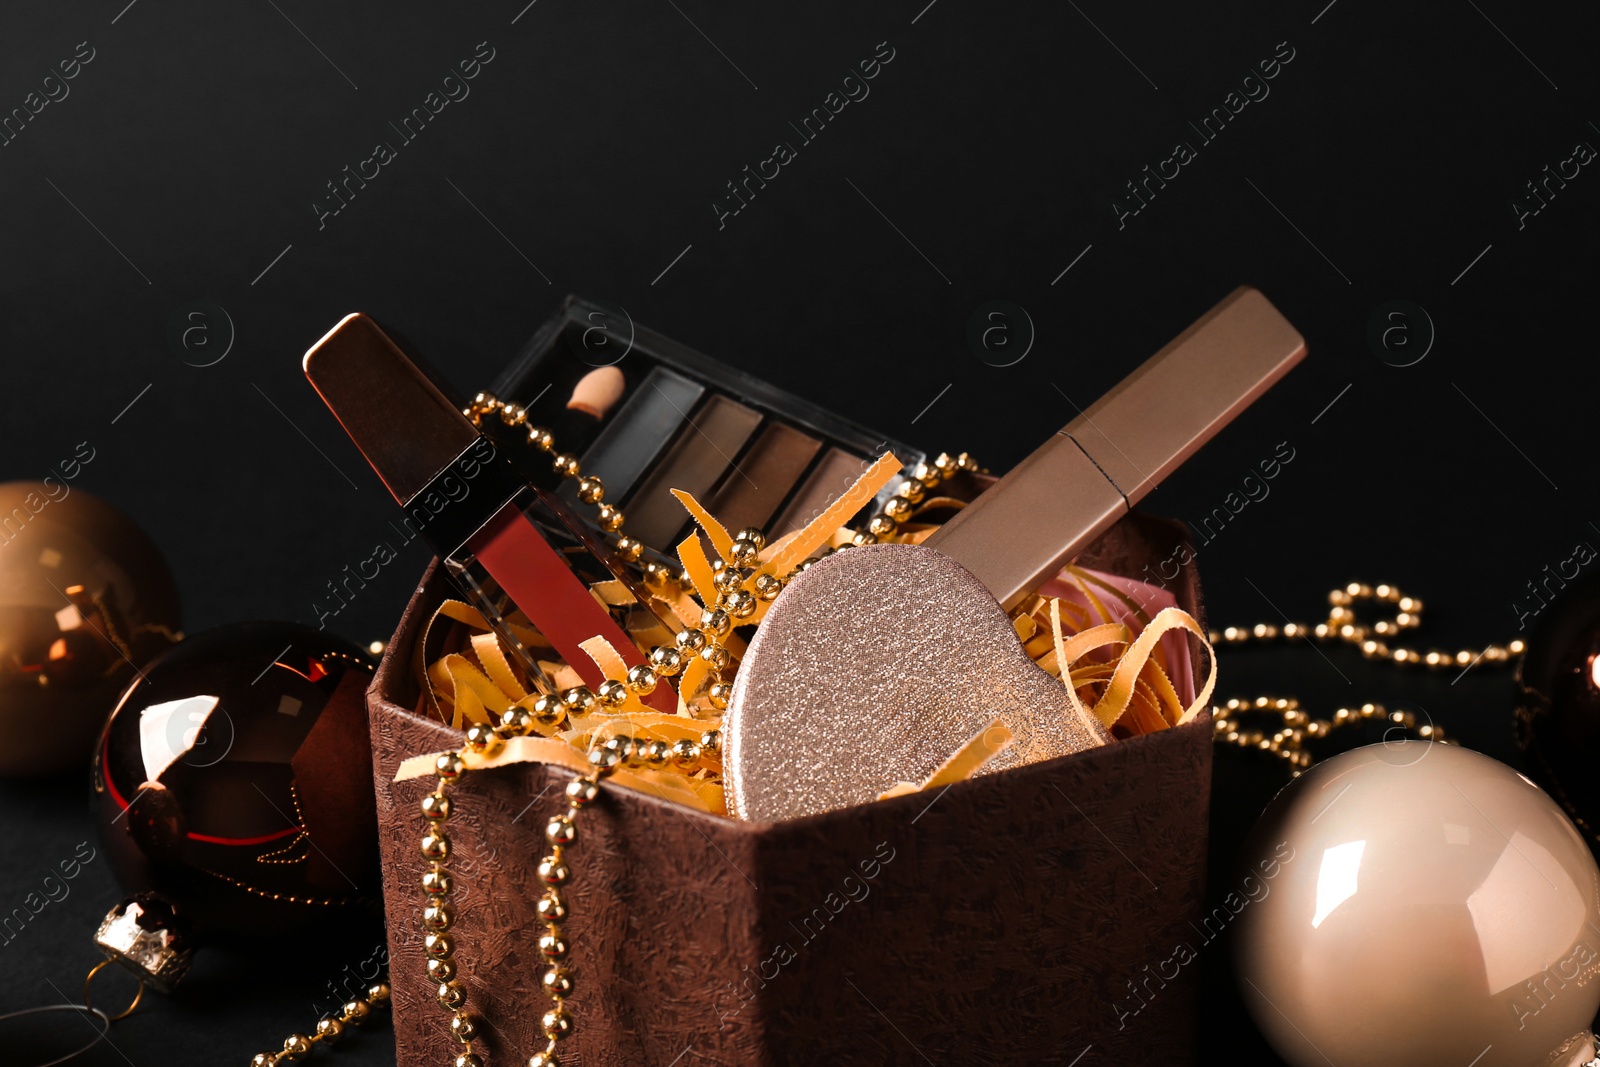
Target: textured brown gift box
column 998, row 922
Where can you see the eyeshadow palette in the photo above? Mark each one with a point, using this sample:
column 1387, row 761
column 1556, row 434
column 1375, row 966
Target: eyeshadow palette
column 647, row 415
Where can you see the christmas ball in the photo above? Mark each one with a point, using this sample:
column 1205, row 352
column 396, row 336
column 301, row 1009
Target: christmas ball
column 1558, row 701
column 85, row 597
column 1419, row 903
column 234, row 782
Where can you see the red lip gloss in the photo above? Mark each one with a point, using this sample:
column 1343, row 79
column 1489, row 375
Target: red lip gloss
column 467, row 501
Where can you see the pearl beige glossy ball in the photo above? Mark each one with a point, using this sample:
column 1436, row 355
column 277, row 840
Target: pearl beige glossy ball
column 1420, row 904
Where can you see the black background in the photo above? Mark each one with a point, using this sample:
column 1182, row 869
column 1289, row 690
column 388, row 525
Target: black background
column 1382, row 166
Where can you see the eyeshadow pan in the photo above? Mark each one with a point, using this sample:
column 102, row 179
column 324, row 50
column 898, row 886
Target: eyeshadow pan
column 836, row 472
column 768, row 472
column 665, row 382
column 702, row 453
column 637, row 432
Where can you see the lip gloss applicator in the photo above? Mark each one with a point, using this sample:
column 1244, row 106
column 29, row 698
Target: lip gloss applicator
column 467, row 501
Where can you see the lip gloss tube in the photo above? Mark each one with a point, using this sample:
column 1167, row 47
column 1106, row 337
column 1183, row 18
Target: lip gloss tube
column 468, row 502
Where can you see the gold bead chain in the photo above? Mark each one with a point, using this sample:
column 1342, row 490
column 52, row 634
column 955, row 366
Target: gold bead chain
column 1287, row 743
column 355, row 1012
column 1341, row 625
column 591, row 490
column 740, row 587
column 561, row 833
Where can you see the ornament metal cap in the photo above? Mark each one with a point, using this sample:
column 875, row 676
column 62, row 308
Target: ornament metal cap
column 147, row 935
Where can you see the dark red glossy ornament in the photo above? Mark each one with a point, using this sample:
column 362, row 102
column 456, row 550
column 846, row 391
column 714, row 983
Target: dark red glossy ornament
column 234, row 782
column 85, row 597
column 1558, row 703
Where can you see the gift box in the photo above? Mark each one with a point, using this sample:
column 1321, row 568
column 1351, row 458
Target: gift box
column 1022, row 917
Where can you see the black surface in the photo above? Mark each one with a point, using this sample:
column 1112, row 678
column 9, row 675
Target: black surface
column 1383, row 164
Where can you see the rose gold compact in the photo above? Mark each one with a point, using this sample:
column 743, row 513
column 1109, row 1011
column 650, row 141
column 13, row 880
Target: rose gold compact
column 879, row 663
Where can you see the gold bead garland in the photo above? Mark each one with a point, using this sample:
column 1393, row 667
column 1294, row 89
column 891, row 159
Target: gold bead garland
column 919, row 481
column 590, row 489
column 1288, row 743
column 561, row 833
column 355, row 1012
column 739, row 582
column 1341, row 625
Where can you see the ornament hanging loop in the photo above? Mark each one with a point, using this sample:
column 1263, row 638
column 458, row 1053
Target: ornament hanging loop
column 103, row 1028
column 89, row 978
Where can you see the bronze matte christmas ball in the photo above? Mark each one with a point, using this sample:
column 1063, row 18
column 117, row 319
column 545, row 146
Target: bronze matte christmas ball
column 84, row 597
column 234, row 780
column 1558, row 702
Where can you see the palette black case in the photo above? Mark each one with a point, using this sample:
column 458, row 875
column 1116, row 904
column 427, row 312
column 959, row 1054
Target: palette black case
column 585, row 334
